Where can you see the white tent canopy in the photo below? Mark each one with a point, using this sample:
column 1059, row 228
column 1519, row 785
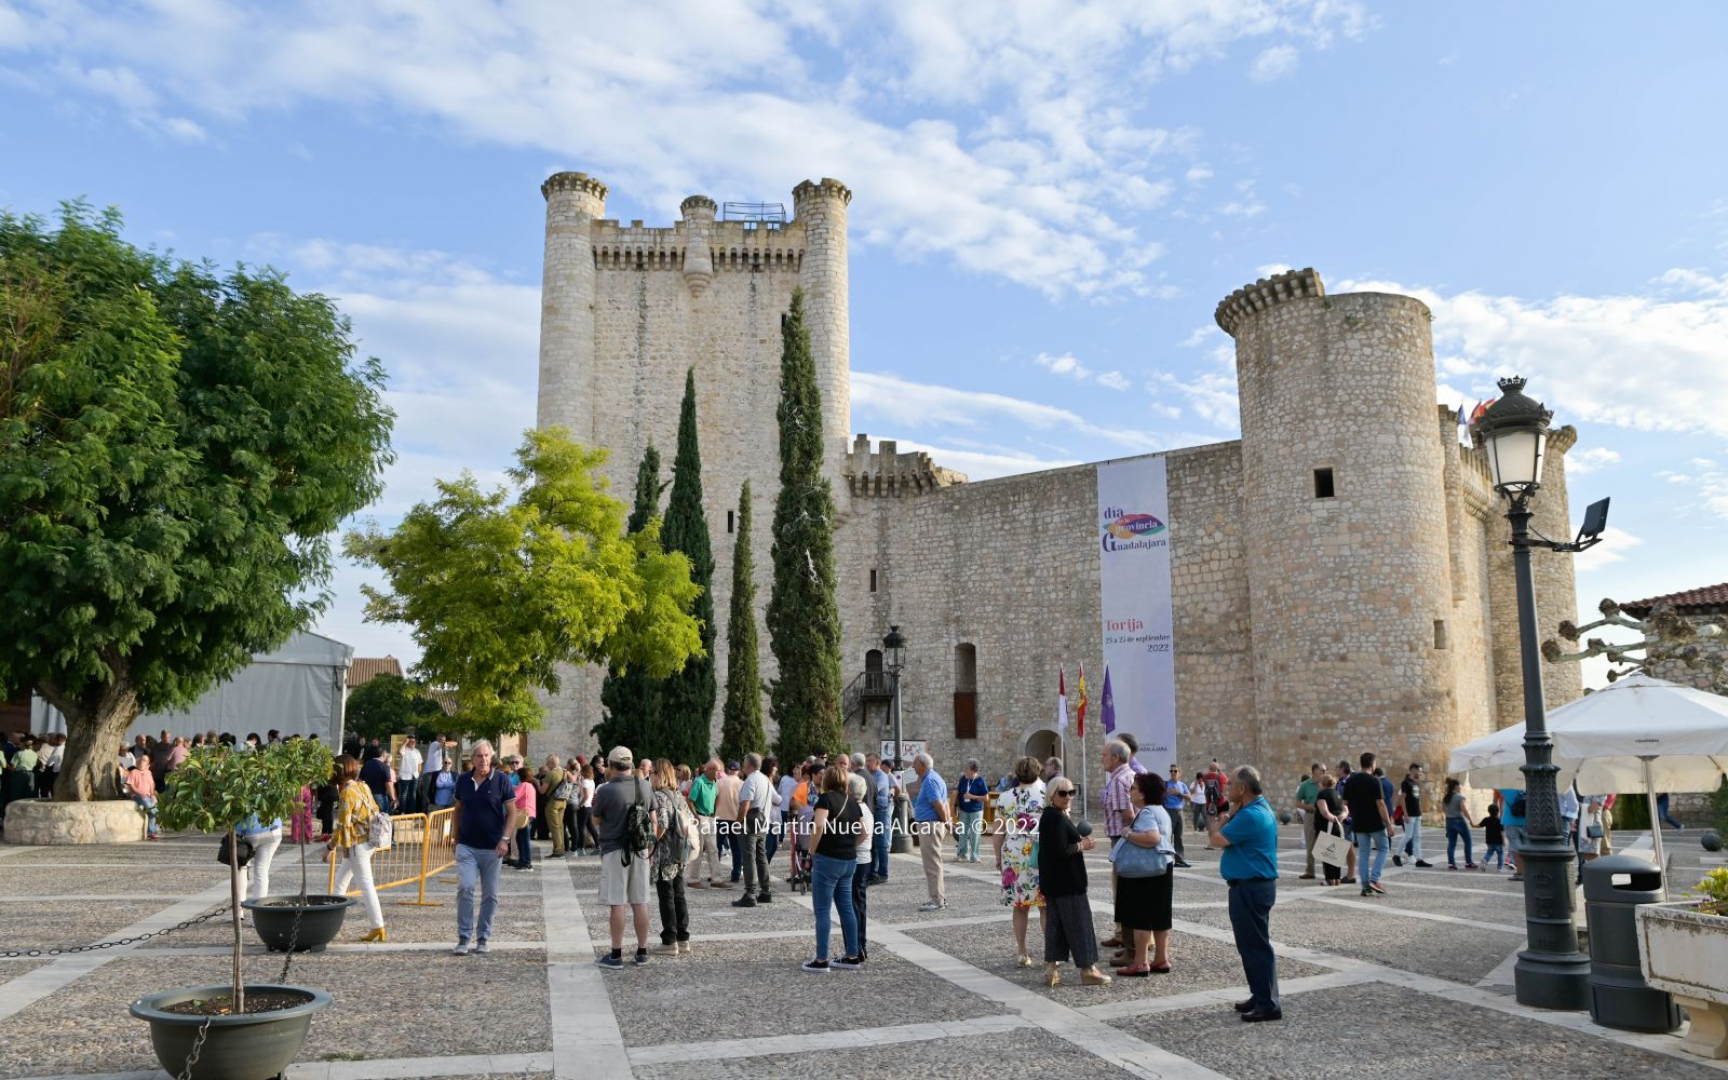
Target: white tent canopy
column 299, row 689
column 1605, row 740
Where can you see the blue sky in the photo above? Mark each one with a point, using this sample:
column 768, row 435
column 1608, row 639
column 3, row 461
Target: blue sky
column 1050, row 198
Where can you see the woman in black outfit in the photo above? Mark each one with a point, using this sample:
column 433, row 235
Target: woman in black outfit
column 1329, row 818
column 1143, row 905
column 1062, row 882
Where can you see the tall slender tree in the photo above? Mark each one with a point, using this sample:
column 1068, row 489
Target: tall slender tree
column 630, row 698
column 687, row 698
column 803, row 614
column 741, row 718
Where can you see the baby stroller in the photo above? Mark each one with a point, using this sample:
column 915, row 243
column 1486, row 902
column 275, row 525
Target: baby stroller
column 799, row 850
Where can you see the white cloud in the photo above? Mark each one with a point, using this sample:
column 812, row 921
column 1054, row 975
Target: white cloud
column 1066, row 364
column 1114, row 380
column 1198, row 174
column 1590, row 459
column 985, row 464
column 1613, row 548
column 1275, row 63
column 178, row 127
column 1015, row 140
column 899, row 401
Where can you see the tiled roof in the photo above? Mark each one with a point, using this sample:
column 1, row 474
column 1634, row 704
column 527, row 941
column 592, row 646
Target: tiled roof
column 1710, row 600
column 366, row 668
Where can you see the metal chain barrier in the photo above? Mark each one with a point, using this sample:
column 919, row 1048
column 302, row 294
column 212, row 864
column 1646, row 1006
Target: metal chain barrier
column 70, row 949
column 197, row 1047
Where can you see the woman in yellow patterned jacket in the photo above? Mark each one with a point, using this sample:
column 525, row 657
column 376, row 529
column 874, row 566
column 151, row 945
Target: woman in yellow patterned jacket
column 355, row 809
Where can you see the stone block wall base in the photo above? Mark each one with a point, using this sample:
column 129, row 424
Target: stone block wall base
column 1708, row 1036
column 44, row 822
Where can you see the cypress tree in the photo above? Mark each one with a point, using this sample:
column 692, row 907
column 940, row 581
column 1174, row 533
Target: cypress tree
column 630, row 699
column 741, row 724
column 803, row 614
column 687, row 698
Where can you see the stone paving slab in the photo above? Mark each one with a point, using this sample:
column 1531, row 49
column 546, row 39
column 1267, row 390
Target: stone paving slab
column 1422, row 1035
column 111, row 881
column 12, row 969
column 519, row 918
column 1198, row 963
column 54, row 924
column 729, row 989
column 190, row 848
column 1457, row 953
column 1027, row 1053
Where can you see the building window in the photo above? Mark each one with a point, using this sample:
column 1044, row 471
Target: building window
column 1323, row 485
column 872, row 580
column 1440, row 639
column 731, row 519
column 965, row 691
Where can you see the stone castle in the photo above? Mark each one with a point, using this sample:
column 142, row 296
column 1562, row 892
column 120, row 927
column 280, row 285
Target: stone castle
column 1340, row 579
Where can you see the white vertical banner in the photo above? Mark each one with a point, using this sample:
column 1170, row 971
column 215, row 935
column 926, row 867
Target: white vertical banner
column 1139, row 692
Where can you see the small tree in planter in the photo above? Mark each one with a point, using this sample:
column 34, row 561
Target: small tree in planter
column 300, row 923
column 214, row 791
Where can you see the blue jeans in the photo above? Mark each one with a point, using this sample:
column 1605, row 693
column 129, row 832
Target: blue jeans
column 831, row 886
column 879, row 846
column 971, row 825
column 773, row 842
column 1455, row 828
column 1377, row 843
column 1251, row 922
column 147, row 803
column 735, row 844
column 476, row 865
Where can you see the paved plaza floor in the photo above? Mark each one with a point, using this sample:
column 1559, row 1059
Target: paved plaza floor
column 1415, row 984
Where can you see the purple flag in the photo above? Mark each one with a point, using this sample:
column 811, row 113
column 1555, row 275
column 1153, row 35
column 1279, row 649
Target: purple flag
column 1109, row 705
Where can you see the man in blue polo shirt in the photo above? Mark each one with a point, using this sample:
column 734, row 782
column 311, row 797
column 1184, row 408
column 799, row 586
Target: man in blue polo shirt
column 486, row 816
column 1249, row 837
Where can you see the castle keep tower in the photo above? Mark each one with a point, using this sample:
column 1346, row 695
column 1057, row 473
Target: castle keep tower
column 1345, row 521
column 627, row 309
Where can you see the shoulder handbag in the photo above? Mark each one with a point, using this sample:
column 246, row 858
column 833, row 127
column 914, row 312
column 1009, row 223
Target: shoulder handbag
column 566, row 791
column 226, row 853
column 1133, row 861
column 380, row 831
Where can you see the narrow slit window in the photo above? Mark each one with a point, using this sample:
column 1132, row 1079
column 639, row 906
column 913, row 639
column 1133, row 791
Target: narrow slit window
column 1440, row 639
column 872, row 580
column 731, row 519
column 1323, row 484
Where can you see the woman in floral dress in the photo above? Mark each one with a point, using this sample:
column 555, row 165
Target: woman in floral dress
column 1015, row 835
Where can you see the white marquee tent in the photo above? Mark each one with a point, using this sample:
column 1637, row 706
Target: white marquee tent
column 300, row 689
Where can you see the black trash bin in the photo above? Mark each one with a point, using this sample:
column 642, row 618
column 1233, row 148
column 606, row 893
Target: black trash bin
column 1619, row 996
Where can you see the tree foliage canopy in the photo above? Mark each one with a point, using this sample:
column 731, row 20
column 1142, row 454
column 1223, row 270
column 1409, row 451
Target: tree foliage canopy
column 741, row 729
column 502, row 586
column 630, row 698
column 387, row 705
column 176, row 446
column 687, row 700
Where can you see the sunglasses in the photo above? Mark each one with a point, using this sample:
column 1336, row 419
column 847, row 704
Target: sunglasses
column 1063, row 794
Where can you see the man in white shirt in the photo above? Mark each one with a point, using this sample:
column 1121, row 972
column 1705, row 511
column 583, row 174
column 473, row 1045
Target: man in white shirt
column 408, row 775
column 429, row 773
column 755, row 797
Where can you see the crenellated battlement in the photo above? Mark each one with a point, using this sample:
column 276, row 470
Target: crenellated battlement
column 573, row 181
column 731, row 245
column 1265, row 293
column 828, row 187
column 888, row 473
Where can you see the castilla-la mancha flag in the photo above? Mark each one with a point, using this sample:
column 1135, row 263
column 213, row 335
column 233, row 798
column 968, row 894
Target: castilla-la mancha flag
column 1061, row 700
column 1080, row 716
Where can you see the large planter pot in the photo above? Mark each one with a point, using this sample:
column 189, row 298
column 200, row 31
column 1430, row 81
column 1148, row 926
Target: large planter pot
column 56, row 824
column 1684, row 951
column 255, row 1046
column 320, row 920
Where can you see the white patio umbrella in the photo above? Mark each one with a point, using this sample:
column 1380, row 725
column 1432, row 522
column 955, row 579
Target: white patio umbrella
column 1639, row 735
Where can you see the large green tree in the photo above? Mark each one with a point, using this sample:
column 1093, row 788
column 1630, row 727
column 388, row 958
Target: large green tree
column 387, row 705
column 176, row 446
column 503, row 586
column 741, row 717
column 687, row 699
column 803, row 615
column 629, row 696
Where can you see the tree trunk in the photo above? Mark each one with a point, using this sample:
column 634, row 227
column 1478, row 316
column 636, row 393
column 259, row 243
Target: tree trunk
column 234, row 915
column 96, row 724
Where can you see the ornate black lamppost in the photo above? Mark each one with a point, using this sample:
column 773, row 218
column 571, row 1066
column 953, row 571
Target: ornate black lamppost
column 894, row 647
column 1551, row 973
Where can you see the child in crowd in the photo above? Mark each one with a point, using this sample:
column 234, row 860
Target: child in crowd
column 1496, row 839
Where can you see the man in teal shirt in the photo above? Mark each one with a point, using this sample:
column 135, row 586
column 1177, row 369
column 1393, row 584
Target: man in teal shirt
column 1248, row 834
column 1306, row 793
column 703, row 790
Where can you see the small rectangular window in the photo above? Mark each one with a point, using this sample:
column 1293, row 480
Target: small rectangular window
column 731, row 519
column 1323, row 488
column 1440, row 640
column 872, row 581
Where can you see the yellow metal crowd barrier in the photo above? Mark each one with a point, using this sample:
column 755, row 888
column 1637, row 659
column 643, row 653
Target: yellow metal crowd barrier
column 422, row 845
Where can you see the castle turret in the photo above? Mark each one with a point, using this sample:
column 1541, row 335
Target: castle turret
column 573, row 202
column 698, row 212
column 1345, row 527
column 821, row 208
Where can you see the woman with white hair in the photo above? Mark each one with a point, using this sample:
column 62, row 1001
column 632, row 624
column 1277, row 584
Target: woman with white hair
column 859, row 788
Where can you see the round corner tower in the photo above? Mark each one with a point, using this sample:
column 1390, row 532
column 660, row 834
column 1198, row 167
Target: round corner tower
column 1345, row 524
column 574, row 201
column 821, row 209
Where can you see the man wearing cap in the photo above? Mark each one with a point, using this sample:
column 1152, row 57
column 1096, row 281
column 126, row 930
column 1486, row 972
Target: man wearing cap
column 726, row 816
column 623, row 873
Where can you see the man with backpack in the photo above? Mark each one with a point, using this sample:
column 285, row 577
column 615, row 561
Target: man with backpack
column 624, row 819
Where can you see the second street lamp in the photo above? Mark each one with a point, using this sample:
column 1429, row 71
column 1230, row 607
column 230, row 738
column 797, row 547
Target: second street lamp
column 894, row 645
column 1551, row 973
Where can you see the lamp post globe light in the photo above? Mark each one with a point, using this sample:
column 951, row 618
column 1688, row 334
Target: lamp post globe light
column 1551, row 973
column 894, row 648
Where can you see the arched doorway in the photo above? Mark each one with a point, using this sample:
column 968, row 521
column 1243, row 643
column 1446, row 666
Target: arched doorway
column 1042, row 745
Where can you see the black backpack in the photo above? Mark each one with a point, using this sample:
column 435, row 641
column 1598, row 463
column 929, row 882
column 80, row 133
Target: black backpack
column 638, row 825
column 1518, row 807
